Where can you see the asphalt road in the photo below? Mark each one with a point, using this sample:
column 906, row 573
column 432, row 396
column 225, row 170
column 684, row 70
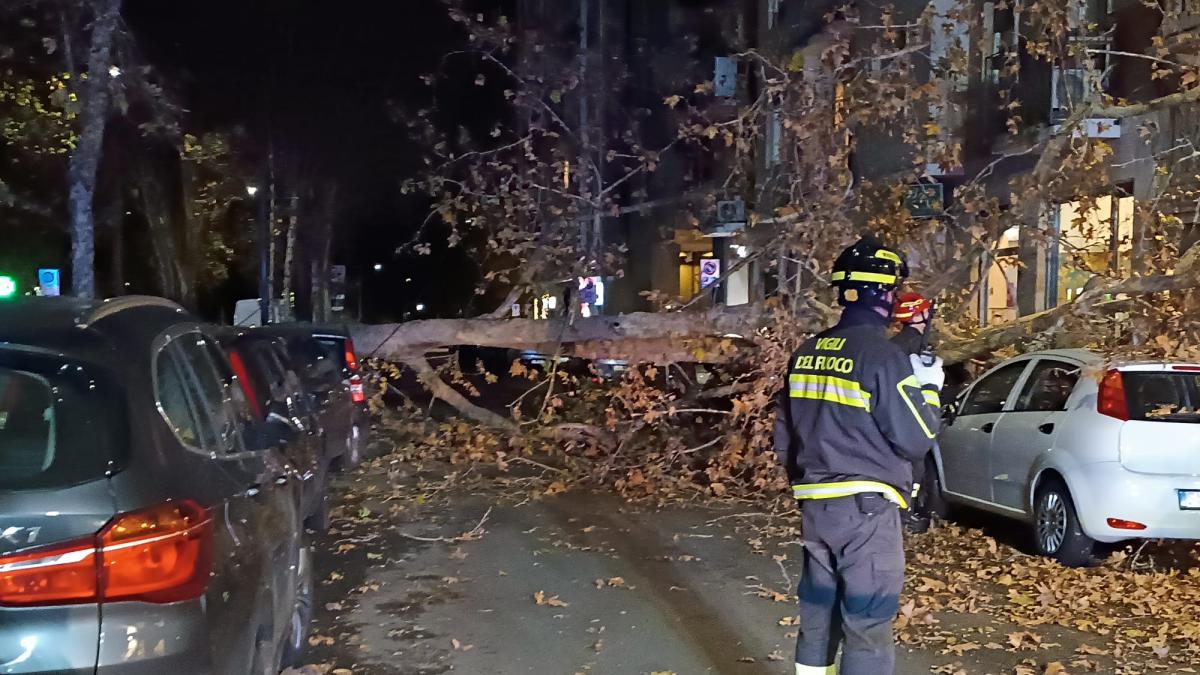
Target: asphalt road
column 579, row 582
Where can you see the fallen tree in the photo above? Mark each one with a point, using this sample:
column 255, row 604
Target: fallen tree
column 536, row 202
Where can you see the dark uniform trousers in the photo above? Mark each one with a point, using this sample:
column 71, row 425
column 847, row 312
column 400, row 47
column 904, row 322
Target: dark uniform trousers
column 851, row 583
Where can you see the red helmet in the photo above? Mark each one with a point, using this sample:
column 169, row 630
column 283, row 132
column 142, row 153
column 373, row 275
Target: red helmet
column 912, row 308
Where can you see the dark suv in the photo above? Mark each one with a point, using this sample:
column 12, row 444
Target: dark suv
column 325, row 359
column 275, row 392
column 148, row 523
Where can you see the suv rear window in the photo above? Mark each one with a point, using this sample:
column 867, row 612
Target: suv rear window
column 334, row 348
column 1162, row 396
column 58, row 423
column 319, row 369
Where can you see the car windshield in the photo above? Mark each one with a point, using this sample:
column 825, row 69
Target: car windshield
column 58, row 423
column 1163, row 396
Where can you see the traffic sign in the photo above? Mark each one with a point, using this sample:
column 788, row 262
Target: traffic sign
column 50, row 279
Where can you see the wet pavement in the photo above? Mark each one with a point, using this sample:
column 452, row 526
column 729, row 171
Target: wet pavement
column 472, row 578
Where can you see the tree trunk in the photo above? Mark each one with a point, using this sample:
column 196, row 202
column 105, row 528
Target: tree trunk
column 192, row 247
column 641, row 336
column 84, row 159
column 289, row 251
column 272, row 215
column 163, row 243
column 322, row 243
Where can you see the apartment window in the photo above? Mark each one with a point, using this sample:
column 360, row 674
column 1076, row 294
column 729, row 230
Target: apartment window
column 1067, row 89
column 999, row 296
column 1095, row 237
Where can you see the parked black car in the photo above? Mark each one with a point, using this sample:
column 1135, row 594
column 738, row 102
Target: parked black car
column 328, row 366
column 274, row 391
column 149, row 521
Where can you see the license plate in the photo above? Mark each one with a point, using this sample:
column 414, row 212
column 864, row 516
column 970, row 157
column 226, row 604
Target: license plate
column 1189, row 500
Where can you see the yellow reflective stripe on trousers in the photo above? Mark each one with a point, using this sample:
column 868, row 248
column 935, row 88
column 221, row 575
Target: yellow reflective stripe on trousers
column 848, row 488
column 815, row 670
column 829, row 388
column 912, row 383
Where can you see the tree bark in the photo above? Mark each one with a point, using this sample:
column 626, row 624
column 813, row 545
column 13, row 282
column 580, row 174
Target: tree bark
column 84, row 160
column 641, row 336
column 163, row 242
column 289, row 251
column 193, row 233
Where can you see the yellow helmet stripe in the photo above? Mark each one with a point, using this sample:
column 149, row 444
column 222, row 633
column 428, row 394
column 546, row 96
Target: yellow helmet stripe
column 885, row 254
column 875, row 277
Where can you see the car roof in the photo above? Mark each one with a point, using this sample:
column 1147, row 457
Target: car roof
column 80, row 327
column 1077, row 354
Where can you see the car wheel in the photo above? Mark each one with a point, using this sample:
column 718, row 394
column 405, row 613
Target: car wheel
column 302, row 614
column 353, row 446
column 1056, row 529
column 266, row 655
column 932, row 497
column 320, row 519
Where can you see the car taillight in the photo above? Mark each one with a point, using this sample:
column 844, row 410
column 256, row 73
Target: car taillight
column 351, row 357
column 1112, row 401
column 1119, row 524
column 243, row 376
column 57, row 575
column 161, row 554
column 357, row 393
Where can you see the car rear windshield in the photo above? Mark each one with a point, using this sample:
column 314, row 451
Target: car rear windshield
column 319, row 368
column 1163, row 396
column 334, row 348
column 59, row 423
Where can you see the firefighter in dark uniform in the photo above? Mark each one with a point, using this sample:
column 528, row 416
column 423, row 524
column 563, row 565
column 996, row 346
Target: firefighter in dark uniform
column 857, row 411
column 913, row 312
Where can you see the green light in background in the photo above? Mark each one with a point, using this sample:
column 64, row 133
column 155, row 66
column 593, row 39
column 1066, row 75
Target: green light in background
column 8, row 287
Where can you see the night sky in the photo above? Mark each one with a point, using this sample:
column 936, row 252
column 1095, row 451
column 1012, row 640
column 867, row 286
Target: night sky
column 324, row 76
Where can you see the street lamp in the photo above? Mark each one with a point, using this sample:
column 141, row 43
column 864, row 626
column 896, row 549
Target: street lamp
column 420, row 307
column 378, row 267
column 264, row 261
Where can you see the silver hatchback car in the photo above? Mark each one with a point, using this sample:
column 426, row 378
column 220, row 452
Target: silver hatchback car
column 147, row 526
column 1082, row 448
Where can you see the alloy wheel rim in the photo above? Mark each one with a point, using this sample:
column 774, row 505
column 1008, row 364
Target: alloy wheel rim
column 1052, row 522
column 304, row 599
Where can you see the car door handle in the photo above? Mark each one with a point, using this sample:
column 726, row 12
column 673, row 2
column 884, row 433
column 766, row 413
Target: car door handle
column 987, row 428
column 1047, row 428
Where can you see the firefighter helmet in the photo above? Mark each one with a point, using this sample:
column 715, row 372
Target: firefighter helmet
column 912, row 308
column 867, row 272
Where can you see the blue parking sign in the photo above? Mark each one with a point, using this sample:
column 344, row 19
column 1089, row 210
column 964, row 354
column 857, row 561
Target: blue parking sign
column 50, row 281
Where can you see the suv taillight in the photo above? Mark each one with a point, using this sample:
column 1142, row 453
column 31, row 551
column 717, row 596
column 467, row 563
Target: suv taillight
column 160, row 554
column 1112, row 401
column 358, row 393
column 351, row 357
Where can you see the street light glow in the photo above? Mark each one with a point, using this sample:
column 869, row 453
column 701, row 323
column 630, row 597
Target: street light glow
column 420, row 307
column 378, row 267
column 114, row 71
column 8, row 287
column 251, row 190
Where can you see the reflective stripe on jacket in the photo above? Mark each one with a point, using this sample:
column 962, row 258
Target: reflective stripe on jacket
column 852, row 417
